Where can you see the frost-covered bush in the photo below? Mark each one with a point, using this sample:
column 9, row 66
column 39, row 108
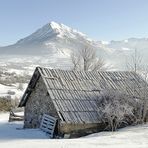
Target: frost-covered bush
column 116, row 108
column 5, row 104
column 12, row 78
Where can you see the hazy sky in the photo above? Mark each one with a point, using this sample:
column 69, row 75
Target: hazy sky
column 99, row 19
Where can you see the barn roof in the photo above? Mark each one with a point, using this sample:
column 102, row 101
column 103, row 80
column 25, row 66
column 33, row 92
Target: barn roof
column 75, row 93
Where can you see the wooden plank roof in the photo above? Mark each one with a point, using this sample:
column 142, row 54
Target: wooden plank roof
column 75, row 94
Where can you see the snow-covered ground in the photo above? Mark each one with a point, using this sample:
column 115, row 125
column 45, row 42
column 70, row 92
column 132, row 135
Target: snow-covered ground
column 12, row 135
column 22, row 68
column 4, row 91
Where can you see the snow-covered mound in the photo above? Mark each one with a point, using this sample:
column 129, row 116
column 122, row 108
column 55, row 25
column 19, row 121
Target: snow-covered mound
column 12, row 135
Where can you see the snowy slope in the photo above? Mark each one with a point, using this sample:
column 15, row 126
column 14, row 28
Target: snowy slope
column 49, row 39
column 12, row 135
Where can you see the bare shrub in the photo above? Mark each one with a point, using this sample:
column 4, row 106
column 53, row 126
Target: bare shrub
column 117, row 108
column 142, row 105
column 5, row 104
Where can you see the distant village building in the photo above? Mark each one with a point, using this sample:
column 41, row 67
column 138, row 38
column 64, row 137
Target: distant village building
column 72, row 97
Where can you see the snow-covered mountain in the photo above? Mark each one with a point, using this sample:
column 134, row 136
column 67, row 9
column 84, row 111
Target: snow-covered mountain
column 56, row 41
column 51, row 38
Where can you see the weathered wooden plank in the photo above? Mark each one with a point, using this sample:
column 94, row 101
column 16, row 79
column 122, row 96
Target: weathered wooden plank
column 56, row 94
column 68, row 117
column 82, row 75
column 78, row 117
column 48, row 124
column 74, row 105
column 69, row 85
column 64, row 75
column 56, row 105
column 50, row 118
column 74, row 84
column 63, row 105
column 76, row 75
column 84, row 117
column 57, row 73
column 92, row 75
column 72, row 117
column 60, row 104
column 110, row 81
column 48, row 83
column 44, row 72
column 87, row 85
column 79, row 85
column 81, row 108
column 68, row 75
column 73, row 75
column 48, row 73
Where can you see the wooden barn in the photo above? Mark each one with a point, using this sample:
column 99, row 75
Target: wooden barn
column 72, row 97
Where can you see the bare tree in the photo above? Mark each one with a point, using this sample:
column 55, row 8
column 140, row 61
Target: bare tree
column 117, row 108
column 143, row 97
column 76, row 61
column 86, row 59
column 134, row 62
column 145, row 94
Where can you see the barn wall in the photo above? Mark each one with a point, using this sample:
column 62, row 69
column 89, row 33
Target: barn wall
column 77, row 130
column 38, row 103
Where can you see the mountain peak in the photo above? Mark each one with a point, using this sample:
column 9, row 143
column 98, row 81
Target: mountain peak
column 63, row 30
column 55, row 25
column 52, row 30
column 59, row 28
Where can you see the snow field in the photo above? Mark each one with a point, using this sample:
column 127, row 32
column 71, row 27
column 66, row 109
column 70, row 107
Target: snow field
column 12, row 135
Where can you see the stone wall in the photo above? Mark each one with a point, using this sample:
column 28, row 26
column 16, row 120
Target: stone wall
column 38, row 103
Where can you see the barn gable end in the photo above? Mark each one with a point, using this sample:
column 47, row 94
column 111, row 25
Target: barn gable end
column 39, row 103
